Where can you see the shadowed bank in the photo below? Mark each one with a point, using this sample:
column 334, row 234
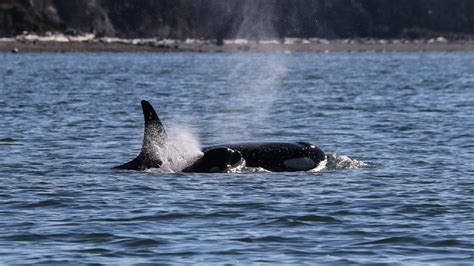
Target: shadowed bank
column 229, row 19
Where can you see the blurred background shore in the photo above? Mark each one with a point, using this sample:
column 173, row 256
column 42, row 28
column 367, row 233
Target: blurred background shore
column 60, row 43
column 232, row 26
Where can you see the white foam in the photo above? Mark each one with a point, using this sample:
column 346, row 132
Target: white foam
column 238, row 169
column 321, row 166
column 335, row 162
column 255, row 170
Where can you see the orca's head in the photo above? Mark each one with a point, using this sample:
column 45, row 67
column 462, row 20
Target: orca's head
column 313, row 151
column 217, row 160
column 306, row 158
column 222, row 160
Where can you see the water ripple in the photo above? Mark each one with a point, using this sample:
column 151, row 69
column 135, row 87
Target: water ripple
column 397, row 186
column 276, row 239
column 43, row 203
column 393, row 240
column 139, row 242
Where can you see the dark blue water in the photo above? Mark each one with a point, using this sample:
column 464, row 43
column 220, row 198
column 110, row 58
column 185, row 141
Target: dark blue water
column 398, row 186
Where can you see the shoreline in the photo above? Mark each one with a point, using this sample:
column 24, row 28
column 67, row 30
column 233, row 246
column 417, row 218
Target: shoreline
column 89, row 43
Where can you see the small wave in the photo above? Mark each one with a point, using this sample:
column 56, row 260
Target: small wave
column 446, row 243
column 392, row 240
column 316, row 218
column 43, row 203
column 139, row 242
column 157, row 217
column 25, row 237
column 95, row 251
column 247, row 205
column 9, row 142
column 266, row 239
column 230, row 251
column 79, row 237
column 142, row 188
column 335, row 162
column 226, row 214
column 90, row 236
column 309, row 218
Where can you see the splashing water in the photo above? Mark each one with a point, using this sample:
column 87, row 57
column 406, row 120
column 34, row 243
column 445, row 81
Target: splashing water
column 254, row 170
column 181, row 149
column 335, row 162
column 321, row 166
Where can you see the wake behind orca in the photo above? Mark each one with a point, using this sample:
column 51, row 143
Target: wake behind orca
column 271, row 156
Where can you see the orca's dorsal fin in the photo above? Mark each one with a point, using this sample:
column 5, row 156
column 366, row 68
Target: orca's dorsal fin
column 151, row 118
column 154, row 137
column 154, row 132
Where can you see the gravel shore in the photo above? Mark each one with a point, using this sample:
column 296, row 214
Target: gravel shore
column 33, row 43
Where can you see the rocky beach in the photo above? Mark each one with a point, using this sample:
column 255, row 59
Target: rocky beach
column 58, row 42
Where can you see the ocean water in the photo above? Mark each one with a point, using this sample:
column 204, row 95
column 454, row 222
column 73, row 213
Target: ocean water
column 398, row 186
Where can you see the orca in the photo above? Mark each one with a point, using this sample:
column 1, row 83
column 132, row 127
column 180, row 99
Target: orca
column 271, row 156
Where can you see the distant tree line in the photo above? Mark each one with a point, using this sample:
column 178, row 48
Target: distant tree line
column 255, row 19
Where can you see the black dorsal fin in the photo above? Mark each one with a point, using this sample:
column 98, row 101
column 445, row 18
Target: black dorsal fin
column 154, row 132
column 151, row 118
column 154, row 136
